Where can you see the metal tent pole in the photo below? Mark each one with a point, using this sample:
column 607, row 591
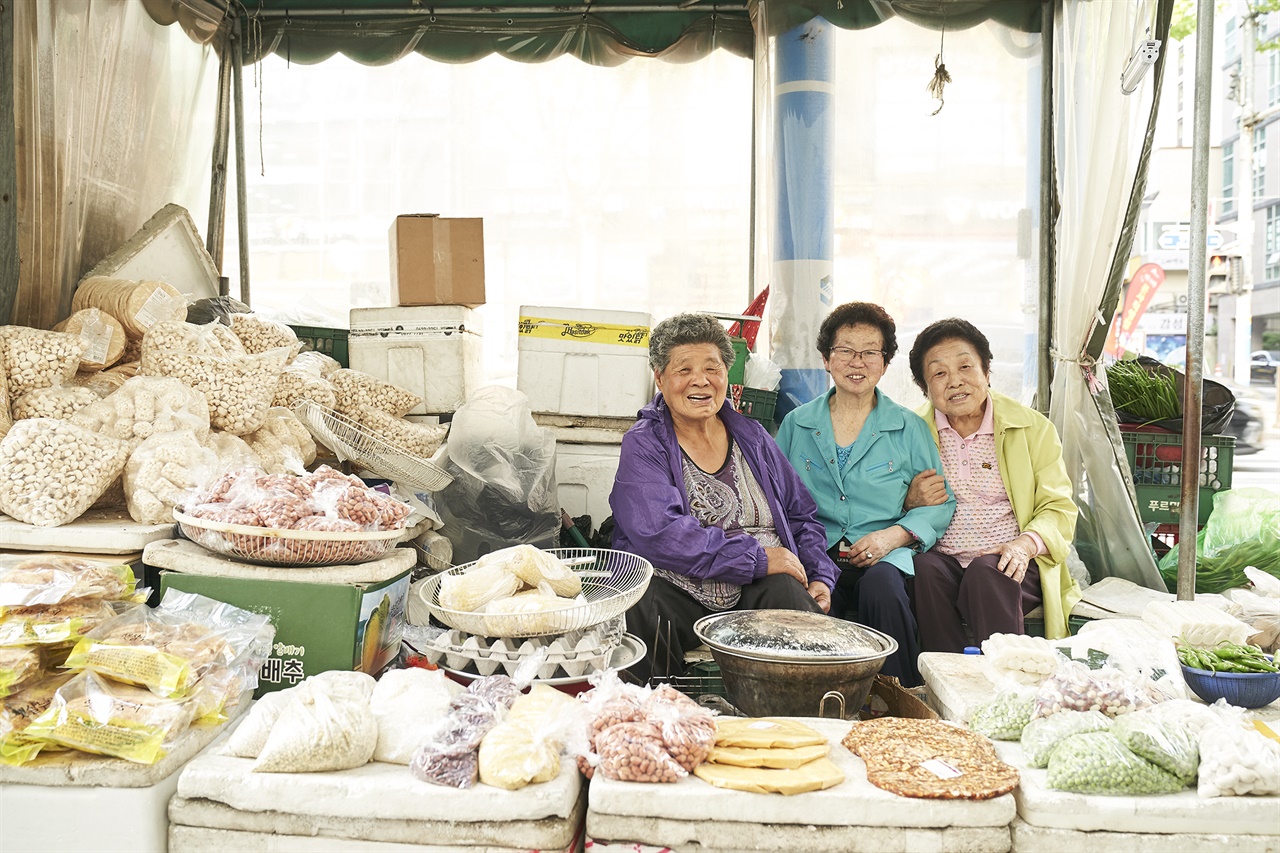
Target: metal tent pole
column 218, row 179
column 1188, row 520
column 242, row 194
column 1048, row 182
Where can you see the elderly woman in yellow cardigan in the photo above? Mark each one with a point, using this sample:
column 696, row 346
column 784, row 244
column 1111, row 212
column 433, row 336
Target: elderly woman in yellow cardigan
column 1005, row 550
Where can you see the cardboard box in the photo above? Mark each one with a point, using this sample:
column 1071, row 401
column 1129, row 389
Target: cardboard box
column 437, row 261
column 319, row 626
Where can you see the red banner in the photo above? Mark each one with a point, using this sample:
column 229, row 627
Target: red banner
column 1142, row 289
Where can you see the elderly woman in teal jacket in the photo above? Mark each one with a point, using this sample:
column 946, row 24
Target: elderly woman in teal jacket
column 857, row 451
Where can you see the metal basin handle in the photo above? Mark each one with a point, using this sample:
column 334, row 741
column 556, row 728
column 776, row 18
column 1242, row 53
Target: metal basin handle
column 832, row 694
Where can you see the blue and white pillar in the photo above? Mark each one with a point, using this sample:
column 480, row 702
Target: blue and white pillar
column 804, row 219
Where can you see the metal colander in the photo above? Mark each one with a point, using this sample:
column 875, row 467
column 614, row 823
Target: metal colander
column 353, row 442
column 612, row 581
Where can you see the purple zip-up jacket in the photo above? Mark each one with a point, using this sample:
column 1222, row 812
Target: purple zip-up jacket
column 651, row 507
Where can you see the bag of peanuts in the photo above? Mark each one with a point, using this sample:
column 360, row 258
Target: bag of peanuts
column 92, row 714
column 258, row 334
column 144, row 406
column 239, row 388
column 282, row 444
column 57, row 401
column 302, row 380
column 420, row 440
column 162, row 473
column 37, row 359
column 354, row 391
column 174, row 336
column 51, row 471
column 102, row 338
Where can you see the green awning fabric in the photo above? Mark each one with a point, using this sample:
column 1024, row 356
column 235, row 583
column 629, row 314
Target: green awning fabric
column 601, row 32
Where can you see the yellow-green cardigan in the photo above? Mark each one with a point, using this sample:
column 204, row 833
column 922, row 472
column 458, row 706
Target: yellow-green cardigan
column 1035, row 478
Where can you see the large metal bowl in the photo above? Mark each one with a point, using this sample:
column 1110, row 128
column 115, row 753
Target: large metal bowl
column 781, row 663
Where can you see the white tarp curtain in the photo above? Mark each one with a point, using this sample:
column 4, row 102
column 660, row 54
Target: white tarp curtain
column 1098, row 137
column 114, row 120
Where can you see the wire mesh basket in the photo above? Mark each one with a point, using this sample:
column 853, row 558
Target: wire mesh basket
column 270, row 546
column 612, row 581
column 353, row 442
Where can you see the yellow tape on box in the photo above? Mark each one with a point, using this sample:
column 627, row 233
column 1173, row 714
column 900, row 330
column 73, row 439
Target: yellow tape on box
column 593, row 333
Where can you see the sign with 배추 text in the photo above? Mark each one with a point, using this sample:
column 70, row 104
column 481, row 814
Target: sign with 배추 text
column 1142, row 289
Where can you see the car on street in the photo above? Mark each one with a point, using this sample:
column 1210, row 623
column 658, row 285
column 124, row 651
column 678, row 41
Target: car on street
column 1262, row 366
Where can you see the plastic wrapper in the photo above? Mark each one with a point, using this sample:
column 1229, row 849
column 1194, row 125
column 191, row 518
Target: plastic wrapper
column 1195, row 716
column 92, row 714
column 472, row 590
column 167, row 649
column 213, row 339
column 1075, row 687
column 145, row 406
column 1005, row 716
column 1194, row 623
column 20, row 667
column 322, row 365
column 258, row 334
column 1137, row 649
column 354, row 390
column 1237, row 761
column 100, row 382
column 17, row 711
column 138, row 305
column 1098, row 763
column 420, row 440
column 635, row 752
column 324, row 726
column 56, row 401
column 409, row 705
column 215, row 309
column 1027, row 660
column 525, row 748
column 1165, row 744
column 162, row 473
column 220, row 687
column 36, row 579
column 239, row 389
column 58, row 624
column 39, row 359
column 1243, row 531
column 282, row 444
column 1043, row 734
column 251, row 735
column 51, row 471
column 102, row 337
column 535, row 567
column 6, row 419
column 450, row 756
column 688, row 729
column 1261, row 612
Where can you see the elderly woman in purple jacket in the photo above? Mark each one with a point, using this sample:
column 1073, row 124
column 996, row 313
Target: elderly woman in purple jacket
column 705, row 495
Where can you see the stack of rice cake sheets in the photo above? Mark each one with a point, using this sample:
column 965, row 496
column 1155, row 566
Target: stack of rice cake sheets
column 853, row 815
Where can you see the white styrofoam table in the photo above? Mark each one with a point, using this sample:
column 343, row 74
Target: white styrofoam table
column 1042, row 839
column 182, row 555
column 199, row 839
column 98, row 531
column 1162, row 814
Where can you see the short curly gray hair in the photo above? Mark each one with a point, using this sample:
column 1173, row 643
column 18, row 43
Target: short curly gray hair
column 687, row 329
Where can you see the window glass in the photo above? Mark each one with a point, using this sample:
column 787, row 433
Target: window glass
column 1228, row 177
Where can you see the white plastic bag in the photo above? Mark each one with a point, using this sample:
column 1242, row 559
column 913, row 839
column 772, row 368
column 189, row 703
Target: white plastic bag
column 325, row 725
column 1235, row 761
column 409, row 705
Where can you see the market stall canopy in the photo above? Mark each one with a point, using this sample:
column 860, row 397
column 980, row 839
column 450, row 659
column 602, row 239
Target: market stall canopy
column 600, row 32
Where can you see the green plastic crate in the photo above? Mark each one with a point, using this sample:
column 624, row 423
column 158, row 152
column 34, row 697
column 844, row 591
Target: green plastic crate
column 331, row 342
column 758, row 403
column 740, row 353
column 1155, row 460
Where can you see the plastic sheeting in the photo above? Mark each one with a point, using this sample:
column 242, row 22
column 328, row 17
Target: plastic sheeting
column 114, row 115
column 1098, row 141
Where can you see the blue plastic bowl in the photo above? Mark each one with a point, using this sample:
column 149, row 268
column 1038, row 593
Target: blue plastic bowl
column 1244, row 689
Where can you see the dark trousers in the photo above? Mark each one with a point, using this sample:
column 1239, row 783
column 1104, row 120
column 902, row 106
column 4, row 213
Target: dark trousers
column 664, row 617
column 949, row 596
column 879, row 597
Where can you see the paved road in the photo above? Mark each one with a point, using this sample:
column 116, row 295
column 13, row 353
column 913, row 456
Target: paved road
column 1259, row 469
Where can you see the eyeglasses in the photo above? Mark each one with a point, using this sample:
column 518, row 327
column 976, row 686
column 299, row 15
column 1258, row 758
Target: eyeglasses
column 845, row 354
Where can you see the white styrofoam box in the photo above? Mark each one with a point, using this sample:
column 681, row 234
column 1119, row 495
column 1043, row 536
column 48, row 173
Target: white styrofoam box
column 578, row 361
column 584, row 478
column 39, row 817
column 98, row 531
column 432, row 350
column 1042, row 839
column 166, row 248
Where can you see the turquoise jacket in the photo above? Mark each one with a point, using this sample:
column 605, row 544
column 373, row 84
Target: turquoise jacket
column 895, row 444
